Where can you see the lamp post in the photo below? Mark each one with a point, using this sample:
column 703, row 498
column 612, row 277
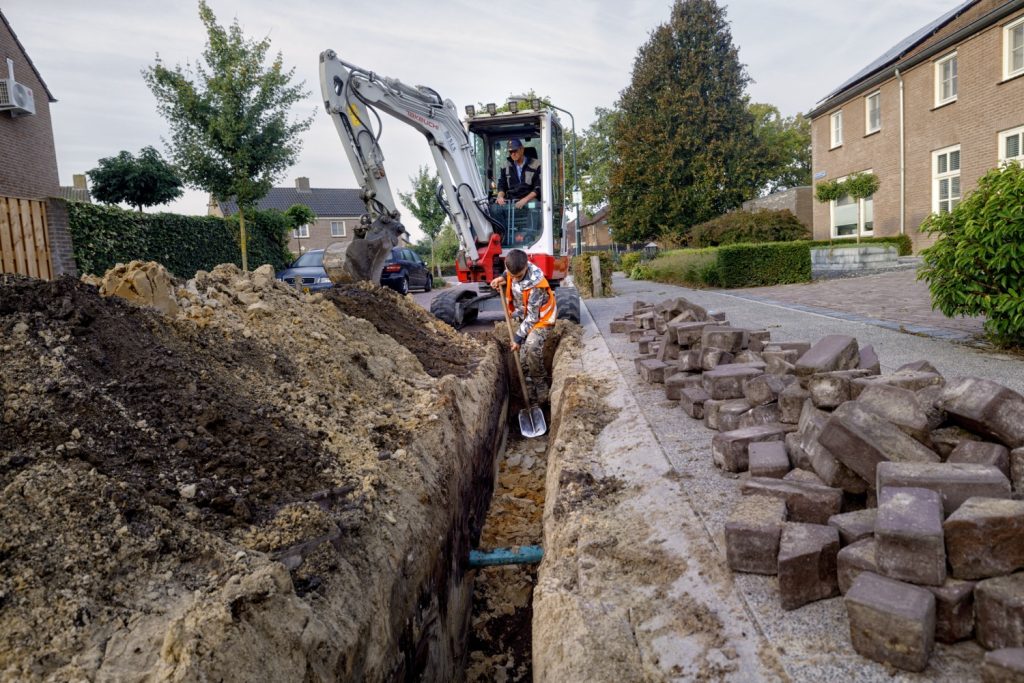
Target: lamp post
column 576, row 194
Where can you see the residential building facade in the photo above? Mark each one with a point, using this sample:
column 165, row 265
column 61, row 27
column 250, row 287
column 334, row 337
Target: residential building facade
column 595, row 234
column 928, row 118
column 337, row 213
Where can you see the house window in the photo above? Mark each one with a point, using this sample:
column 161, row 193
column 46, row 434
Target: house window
column 946, row 179
column 945, row 80
column 338, row 228
column 873, row 112
column 1013, row 49
column 301, row 232
column 851, row 217
column 837, row 128
column 1011, row 145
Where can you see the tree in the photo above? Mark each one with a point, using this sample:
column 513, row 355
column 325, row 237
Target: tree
column 594, row 157
column 684, row 138
column 231, row 133
column 784, row 148
column 447, row 244
column 422, row 202
column 146, row 180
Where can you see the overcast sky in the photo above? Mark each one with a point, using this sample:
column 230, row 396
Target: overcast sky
column 579, row 54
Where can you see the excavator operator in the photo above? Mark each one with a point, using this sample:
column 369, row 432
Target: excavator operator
column 519, row 182
column 531, row 301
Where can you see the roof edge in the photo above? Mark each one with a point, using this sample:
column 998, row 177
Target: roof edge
column 889, row 71
column 28, row 59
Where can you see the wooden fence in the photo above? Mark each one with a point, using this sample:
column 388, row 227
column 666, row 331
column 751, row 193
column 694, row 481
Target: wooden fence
column 24, row 240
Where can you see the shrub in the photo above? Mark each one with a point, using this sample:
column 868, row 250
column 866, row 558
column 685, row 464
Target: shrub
column 103, row 236
column 641, row 271
column 756, row 265
column 628, row 261
column 977, row 267
column 690, row 267
column 583, row 277
column 747, row 227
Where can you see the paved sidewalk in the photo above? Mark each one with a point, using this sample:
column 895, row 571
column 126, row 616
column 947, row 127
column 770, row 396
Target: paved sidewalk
column 895, row 300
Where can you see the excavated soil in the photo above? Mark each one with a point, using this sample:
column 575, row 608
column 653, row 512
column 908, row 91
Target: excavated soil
column 183, row 497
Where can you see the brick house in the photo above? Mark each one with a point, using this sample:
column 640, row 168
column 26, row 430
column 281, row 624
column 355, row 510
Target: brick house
column 929, row 118
column 594, row 232
column 337, row 211
column 28, row 166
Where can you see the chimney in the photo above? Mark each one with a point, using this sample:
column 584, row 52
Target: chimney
column 302, row 184
column 78, row 181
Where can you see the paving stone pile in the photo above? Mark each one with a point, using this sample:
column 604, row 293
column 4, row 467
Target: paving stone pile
column 902, row 492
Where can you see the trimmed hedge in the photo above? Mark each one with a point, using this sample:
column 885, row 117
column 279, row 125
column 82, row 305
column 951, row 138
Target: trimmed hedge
column 629, row 261
column 904, row 247
column 749, row 227
column 103, row 236
column 582, row 275
column 757, row 265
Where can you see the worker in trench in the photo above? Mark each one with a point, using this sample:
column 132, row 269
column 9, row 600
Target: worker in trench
column 531, row 303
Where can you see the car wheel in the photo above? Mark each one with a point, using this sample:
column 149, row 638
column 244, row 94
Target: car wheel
column 403, row 285
column 429, row 285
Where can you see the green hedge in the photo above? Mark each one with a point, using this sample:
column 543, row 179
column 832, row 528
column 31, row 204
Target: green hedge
column 757, row 265
column 904, row 247
column 582, row 275
column 687, row 267
column 630, row 260
column 103, row 236
column 748, row 227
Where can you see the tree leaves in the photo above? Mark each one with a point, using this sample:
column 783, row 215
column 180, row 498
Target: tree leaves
column 146, row 180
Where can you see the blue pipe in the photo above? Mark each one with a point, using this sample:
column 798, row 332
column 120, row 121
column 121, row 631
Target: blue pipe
column 524, row 554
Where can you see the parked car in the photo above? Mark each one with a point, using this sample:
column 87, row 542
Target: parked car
column 405, row 270
column 309, row 268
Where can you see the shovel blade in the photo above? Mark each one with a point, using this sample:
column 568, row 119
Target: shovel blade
column 531, row 422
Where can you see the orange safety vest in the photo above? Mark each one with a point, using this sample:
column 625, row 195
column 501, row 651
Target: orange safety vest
column 548, row 312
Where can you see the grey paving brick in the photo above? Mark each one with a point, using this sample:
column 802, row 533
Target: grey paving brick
column 909, row 534
column 891, row 622
column 807, row 564
column 985, row 538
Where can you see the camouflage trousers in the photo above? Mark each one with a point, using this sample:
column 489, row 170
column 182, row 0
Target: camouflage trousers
column 531, row 356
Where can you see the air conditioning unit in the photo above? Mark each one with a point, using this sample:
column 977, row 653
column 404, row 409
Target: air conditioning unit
column 16, row 98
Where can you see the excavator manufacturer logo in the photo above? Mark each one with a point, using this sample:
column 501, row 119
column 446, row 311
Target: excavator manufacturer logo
column 422, row 119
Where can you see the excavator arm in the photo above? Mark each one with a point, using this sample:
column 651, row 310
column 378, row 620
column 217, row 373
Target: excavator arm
column 352, row 97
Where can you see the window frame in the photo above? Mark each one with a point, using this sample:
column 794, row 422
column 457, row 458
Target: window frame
column 1008, row 72
column 954, row 79
column 344, row 229
column 301, row 232
column 862, row 231
column 877, row 95
column 835, row 140
column 1001, row 151
column 949, row 174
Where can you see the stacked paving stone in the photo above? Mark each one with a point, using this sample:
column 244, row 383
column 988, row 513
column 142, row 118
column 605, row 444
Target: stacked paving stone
column 903, row 492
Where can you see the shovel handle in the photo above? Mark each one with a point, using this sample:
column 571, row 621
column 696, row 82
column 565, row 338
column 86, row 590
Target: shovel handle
column 515, row 354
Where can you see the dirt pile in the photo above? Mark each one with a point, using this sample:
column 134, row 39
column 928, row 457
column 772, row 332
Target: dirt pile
column 225, row 492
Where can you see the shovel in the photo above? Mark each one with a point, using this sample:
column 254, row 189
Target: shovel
column 531, row 419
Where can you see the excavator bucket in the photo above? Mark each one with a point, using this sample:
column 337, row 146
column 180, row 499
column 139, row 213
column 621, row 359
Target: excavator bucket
column 531, row 422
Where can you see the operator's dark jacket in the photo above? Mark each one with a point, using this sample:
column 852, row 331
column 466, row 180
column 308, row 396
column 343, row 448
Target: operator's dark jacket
column 518, row 188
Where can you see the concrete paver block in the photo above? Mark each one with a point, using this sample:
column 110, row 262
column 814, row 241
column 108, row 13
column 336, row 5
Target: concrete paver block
column 999, row 611
column 946, row 439
column 891, row 622
column 800, row 347
column 1003, row 666
column 765, row 388
column 797, row 455
column 805, row 502
column 854, row 526
column 852, row 560
column 731, row 412
column 861, row 439
column 711, row 357
column 929, row 399
column 805, row 476
column 768, row 459
column 730, row 449
column 832, row 471
column 988, row 408
column 833, row 352
column 667, row 347
column 909, row 534
column 621, row 326
column 918, row 366
column 652, row 371
column 1017, row 472
column 869, row 360
column 832, row 389
column 731, row 339
column 712, row 408
column 899, row 406
column 955, row 482
column 791, row 401
column 727, row 381
column 752, row 534
column 640, row 359
column 985, row 538
column 678, row 381
column 907, row 379
column 646, row 344
column 688, row 334
column 807, row 564
column 692, row 400
column 689, row 361
column 748, row 356
column 759, row 415
column 954, row 610
column 982, row 453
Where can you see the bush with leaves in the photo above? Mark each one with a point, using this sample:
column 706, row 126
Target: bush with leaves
column 763, row 225
column 688, row 267
column 629, row 261
column 977, row 266
column 582, row 275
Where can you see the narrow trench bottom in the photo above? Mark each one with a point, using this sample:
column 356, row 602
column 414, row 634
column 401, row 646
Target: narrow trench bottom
column 500, row 626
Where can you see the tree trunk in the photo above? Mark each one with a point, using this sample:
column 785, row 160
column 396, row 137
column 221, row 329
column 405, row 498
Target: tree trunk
column 241, row 239
column 433, row 258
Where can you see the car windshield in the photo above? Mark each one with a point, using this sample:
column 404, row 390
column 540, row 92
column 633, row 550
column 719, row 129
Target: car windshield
column 309, row 259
